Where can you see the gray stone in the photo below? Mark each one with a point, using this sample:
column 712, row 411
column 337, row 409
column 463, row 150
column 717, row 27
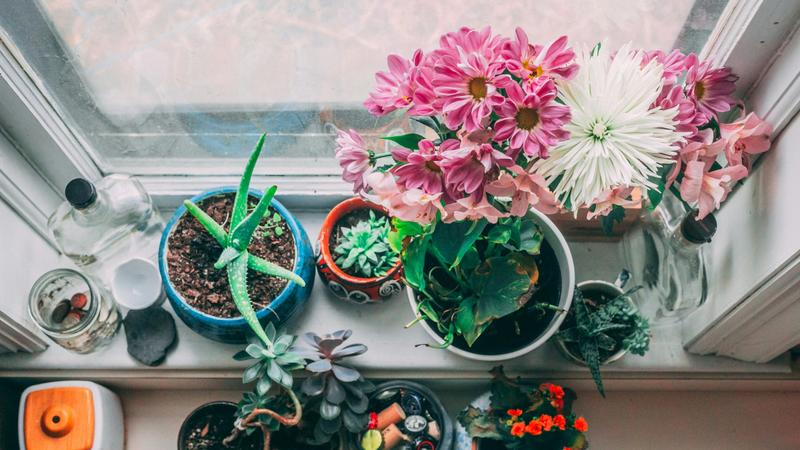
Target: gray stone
column 150, row 334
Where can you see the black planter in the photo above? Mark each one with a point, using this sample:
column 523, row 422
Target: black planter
column 221, row 414
column 435, row 408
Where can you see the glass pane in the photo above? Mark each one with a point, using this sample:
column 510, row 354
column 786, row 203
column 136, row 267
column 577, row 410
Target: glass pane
column 177, row 86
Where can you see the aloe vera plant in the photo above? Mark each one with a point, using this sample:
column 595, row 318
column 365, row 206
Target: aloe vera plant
column 234, row 257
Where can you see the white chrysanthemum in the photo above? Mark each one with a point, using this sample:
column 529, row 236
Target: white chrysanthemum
column 615, row 138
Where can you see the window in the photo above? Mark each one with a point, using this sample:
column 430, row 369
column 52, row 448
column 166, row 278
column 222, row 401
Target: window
column 176, row 87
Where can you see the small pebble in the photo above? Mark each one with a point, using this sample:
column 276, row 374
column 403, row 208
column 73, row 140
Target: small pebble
column 79, row 300
column 61, row 311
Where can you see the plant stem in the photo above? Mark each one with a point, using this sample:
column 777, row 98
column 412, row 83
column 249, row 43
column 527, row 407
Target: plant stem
column 374, row 156
column 677, row 193
column 250, row 420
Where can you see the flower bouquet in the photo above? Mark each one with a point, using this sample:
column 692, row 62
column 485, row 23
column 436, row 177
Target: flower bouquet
column 515, row 129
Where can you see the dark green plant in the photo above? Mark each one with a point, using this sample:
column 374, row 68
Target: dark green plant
column 336, row 392
column 234, row 257
column 272, row 403
column 598, row 330
column 468, row 274
column 363, row 248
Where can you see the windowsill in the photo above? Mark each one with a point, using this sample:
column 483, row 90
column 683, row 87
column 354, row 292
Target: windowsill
column 392, row 351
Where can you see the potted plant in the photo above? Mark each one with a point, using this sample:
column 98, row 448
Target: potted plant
column 354, row 257
column 209, row 424
column 233, row 245
column 602, row 326
column 516, row 416
column 405, row 414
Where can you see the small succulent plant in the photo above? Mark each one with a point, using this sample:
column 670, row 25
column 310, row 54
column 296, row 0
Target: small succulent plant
column 337, row 392
column 234, row 257
column 601, row 330
column 272, row 403
column 363, row 249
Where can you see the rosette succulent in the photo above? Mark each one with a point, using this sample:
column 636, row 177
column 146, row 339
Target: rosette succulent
column 363, row 249
column 334, row 392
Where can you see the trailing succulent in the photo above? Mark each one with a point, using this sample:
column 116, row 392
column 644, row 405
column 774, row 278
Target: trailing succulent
column 468, row 274
column 598, row 331
column 363, row 249
column 527, row 416
column 272, row 403
column 234, row 257
column 335, row 392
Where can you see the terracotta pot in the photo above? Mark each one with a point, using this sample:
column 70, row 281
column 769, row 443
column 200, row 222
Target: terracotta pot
column 342, row 284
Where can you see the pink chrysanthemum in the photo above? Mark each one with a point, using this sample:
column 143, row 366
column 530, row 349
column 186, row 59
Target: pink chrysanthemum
column 465, row 168
column 472, row 208
column 395, row 88
column 527, row 61
column 674, row 64
column 709, row 88
column 532, row 120
column 467, row 77
column 353, row 157
column 421, row 169
column 686, row 118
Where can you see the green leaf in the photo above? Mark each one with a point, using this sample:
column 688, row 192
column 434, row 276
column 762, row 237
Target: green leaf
column 427, row 121
column 410, row 140
column 464, row 320
column 240, row 202
column 616, row 215
column 228, row 254
column 214, row 229
column 243, row 232
column 251, row 373
column 269, row 268
column 372, row 440
column 500, row 282
column 263, row 385
column 596, row 49
column 237, row 278
column 451, row 241
column 329, row 411
column 414, row 262
column 591, row 356
column 402, row 230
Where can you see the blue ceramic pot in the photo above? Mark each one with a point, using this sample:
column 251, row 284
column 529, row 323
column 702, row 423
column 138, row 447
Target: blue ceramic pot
column 235, row 330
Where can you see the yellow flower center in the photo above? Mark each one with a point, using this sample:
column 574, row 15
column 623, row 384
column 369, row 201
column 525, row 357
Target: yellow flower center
column 477, row 88
column 699, row 90
column 527, row 118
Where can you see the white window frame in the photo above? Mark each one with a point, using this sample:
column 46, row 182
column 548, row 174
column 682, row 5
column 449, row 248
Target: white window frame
column 754, row 37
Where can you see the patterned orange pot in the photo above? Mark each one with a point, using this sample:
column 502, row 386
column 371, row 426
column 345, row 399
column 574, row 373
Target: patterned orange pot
column 342, row 284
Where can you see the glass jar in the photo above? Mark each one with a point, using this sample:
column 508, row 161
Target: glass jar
column 73, row 311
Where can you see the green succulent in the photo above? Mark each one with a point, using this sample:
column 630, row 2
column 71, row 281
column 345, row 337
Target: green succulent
column 234, row 257
column 608, row 328
column 364, row 248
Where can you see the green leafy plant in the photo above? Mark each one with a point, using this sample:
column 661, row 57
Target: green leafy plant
column 272, row 226
column 526, row 416
column 234, row 257
column 363, row 249
column 336, row 392
column 597, row 328
column 469, row 274
column 272, row 403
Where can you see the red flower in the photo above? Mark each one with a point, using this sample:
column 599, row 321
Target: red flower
column 558, row 404
column 560, row 422
column 373, row 421
column 555, row 390
column 581, row 424
column 546, row 421
column 518, row 429
column 567, row 448
column 534, row 428
column 514, row 413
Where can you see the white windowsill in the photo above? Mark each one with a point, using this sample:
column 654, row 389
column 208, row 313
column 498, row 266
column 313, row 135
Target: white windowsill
column 392, row 353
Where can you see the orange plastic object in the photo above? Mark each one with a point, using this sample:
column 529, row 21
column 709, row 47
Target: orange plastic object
column 59, row 419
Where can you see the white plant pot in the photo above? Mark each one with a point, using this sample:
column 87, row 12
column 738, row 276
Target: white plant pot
column 564, row 257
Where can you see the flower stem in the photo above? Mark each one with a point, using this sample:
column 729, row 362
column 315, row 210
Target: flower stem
column 677, row 193
column 374, row 156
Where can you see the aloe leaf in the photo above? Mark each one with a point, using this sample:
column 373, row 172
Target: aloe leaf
column 214, row 229
column 264, row 266
column 240, row 202
column 227, row 255
column 241, row 233
column 237, row 278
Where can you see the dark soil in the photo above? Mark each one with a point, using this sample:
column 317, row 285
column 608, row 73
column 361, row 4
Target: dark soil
column 503, row 336
column 594, row 299
column 207, row 430
column 348, row 220
column 490, row 444
column 192, row 252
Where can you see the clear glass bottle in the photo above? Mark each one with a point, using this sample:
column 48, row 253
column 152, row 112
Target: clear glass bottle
column 73, row 311
column 666, row 256
column 104, row 224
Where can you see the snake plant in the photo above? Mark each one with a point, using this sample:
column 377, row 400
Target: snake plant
column 234, row 257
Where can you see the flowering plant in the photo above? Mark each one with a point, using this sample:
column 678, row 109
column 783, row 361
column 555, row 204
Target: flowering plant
column 524, row 417
column 514, row 125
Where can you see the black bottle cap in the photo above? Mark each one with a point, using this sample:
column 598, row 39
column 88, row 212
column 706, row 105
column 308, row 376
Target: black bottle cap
column 699, row 231
column 80, row 193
